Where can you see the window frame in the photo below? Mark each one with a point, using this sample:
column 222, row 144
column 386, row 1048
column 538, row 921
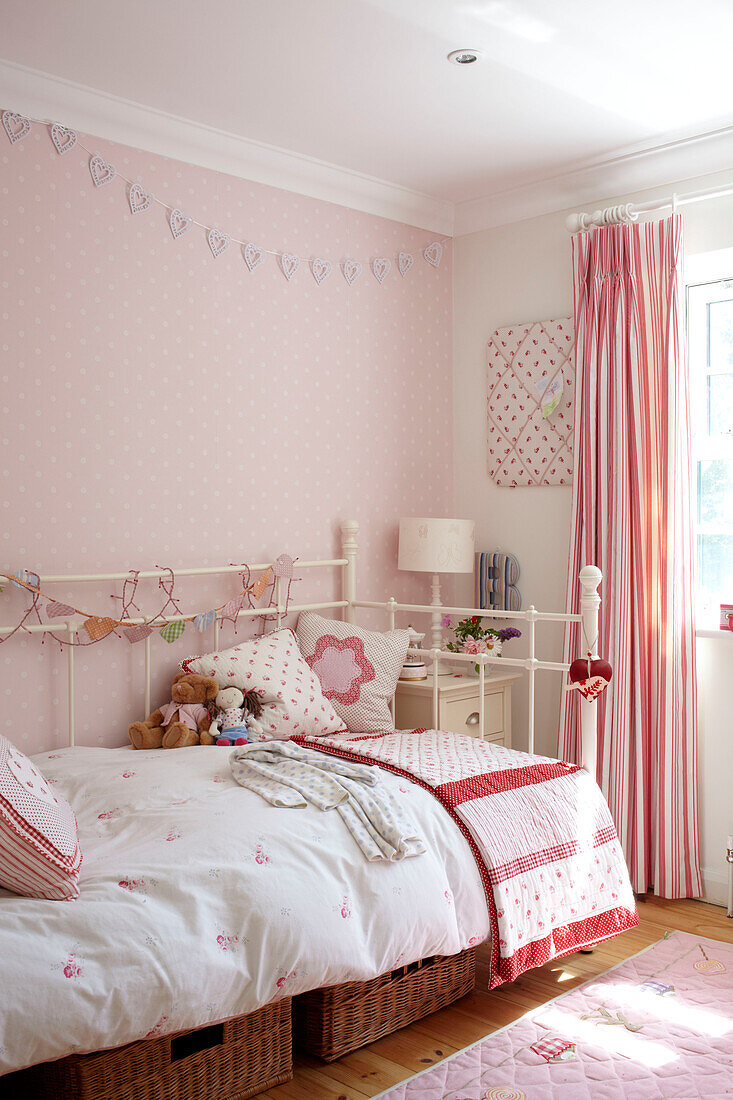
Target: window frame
column 701, row 293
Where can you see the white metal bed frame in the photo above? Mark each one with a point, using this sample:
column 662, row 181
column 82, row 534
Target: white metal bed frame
column 590, row 578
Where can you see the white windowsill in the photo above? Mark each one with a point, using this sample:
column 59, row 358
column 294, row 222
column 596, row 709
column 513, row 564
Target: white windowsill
column 703, row 632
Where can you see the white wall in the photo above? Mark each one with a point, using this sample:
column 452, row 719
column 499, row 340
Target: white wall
column 522, row 272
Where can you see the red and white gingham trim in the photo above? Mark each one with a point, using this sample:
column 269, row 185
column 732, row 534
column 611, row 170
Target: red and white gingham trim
column 479, row 786
column 529, row 862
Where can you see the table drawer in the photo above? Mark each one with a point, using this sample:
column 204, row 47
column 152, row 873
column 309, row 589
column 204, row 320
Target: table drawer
column 455, row 715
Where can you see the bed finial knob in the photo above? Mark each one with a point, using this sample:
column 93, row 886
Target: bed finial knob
column 590, row 578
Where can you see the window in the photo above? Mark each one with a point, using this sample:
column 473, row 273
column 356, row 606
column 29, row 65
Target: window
column 710, row 325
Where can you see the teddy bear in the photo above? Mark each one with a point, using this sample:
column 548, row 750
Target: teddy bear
column 236, row 721
column 184, row 721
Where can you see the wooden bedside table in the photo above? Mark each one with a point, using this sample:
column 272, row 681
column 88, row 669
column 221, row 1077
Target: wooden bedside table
column 458, row 705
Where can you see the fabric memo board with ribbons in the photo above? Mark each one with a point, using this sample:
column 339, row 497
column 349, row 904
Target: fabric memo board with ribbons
column 531, row 382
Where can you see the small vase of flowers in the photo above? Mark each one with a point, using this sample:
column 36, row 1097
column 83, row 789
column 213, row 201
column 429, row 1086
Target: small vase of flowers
column 472, row 637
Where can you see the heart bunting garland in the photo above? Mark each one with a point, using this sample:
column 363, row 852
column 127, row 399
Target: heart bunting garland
column 289, row 264
column 140, row 627
column 179, row 222
column 16, row 126
column 381, row 268
column 253, row 256
column 63, row 138
column 218, row 242
column 434, row 253
column 352, row 271
column 102, row 172
column 139, row 199
column 321, row 270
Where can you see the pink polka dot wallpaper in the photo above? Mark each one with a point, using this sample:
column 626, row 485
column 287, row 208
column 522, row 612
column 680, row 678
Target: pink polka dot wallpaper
column 163, row 407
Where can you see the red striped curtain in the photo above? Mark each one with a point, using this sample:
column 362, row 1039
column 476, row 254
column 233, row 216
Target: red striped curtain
column 632, row 518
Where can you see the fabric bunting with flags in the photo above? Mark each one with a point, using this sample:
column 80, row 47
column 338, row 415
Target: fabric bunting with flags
column 168, row 621
column 203, row 621
column 99, row 627
column 173, row 630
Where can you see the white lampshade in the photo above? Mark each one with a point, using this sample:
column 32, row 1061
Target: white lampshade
column 436, row 545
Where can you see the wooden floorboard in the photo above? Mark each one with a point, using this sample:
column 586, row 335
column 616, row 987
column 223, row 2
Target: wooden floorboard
column 368, row 1071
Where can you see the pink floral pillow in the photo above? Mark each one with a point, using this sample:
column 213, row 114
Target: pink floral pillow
column 293, row 702
column 358, row 669
column 39, row 849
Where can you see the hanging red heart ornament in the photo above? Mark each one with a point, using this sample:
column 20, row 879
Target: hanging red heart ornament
column 590, row 676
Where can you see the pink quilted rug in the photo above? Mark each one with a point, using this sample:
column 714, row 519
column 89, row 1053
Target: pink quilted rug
column 659, row 1025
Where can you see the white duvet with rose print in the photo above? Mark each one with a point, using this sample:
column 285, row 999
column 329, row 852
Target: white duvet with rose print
column 199, row 901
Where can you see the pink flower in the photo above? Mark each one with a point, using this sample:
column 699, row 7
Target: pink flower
column 225, row 942
column 342, row 668
column 72, row 968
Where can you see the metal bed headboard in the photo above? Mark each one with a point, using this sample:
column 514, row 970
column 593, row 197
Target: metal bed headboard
column 590, row 578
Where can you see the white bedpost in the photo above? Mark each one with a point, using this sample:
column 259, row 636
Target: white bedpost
column 148, row 666
column 349, row 531
column 590, row 602
column 71, row 631
column 532, row 619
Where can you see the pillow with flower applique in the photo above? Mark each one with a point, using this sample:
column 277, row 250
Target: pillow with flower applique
column 292, row 700
column 358, row 669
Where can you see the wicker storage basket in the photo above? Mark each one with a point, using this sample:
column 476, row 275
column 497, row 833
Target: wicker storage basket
column 235, row 1059
column 331, row 1022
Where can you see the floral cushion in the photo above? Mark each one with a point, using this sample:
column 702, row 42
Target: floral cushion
column 291, row 695
column 39, row 851
column 358, row 669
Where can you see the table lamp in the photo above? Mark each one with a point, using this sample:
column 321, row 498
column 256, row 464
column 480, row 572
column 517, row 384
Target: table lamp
column 436, row 546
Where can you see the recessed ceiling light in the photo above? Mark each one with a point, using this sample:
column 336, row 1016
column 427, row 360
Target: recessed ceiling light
column 464, row 57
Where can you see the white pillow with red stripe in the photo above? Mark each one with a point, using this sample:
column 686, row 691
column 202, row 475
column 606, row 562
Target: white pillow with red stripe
column 39, row 849
column 358, row 668
column 273, row 666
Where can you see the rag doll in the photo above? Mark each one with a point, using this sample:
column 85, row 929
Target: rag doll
column 236, row 721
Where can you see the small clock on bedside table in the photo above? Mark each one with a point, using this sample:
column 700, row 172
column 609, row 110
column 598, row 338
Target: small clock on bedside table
column 458, row 705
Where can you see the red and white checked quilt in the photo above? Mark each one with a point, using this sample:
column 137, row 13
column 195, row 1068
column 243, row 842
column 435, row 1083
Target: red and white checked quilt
column 539, row 829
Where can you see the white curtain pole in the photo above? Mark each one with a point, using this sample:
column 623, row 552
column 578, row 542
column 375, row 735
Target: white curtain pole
column 627, row 212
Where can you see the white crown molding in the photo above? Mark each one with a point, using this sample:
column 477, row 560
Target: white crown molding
column 586, row 185
column 41, row 95
column 638, row 168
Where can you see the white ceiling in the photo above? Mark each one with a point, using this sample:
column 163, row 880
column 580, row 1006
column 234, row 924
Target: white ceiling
column 365, row 85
